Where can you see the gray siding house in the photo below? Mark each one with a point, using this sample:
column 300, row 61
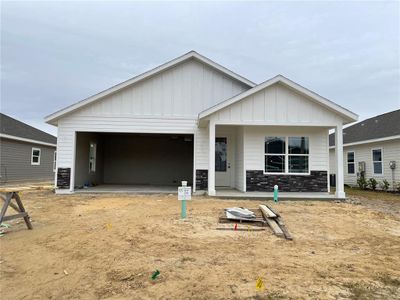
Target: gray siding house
column 26, row 153
column 371, row 148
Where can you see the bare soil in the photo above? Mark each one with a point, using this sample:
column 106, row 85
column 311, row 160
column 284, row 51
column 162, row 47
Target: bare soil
column 108, row 246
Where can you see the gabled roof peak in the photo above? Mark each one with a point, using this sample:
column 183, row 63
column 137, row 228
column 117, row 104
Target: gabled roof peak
column 350, row 116
column 191, row 54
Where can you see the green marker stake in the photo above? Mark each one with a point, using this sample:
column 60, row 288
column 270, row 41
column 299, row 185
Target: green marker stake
column 183, row 212
column 275, row 193
column 155, row 275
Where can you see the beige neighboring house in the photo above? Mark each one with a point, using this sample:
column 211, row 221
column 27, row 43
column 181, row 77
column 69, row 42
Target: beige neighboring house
column 371, row 146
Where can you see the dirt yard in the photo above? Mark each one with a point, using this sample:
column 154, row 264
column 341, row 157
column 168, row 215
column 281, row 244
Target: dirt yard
column 107, row 246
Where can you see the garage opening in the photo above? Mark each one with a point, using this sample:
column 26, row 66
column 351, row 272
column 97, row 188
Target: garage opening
column 149, row 160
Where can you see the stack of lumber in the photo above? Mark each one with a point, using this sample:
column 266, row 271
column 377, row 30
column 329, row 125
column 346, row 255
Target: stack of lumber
column 265, row 216
column 275, row 221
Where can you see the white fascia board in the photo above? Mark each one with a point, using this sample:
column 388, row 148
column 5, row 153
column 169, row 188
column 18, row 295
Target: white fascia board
column 384, row 139
column 350, row 116
column 17, row 138
column 192, row 54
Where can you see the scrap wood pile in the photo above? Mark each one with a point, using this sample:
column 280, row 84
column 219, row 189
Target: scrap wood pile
column 254, row 220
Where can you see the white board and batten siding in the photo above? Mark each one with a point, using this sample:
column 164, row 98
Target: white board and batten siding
column 276, row 110
column 168, row 102
column 363, row 152
column 276, row 105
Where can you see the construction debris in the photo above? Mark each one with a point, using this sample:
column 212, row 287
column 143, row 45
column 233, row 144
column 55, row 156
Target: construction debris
column 260, row 217
column 257, row 221
column 275, row 221
column 239, row 213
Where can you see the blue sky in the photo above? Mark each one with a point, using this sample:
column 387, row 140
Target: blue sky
column 56, row 53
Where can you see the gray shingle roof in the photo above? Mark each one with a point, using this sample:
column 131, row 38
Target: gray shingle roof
column 14, row 127
column 381, row 126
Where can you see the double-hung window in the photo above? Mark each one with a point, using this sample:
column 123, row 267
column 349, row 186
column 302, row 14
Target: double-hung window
column 298, row 154
column 35, row 157
column 350, row 163
column 275, row 150
column 286, row 155
column 377, row 161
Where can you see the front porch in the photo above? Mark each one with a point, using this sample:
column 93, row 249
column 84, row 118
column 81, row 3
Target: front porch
column 240, row 163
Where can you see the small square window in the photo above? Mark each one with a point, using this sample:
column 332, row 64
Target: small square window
column 298, row 164
column 298, row 145
column 275, row 163
column 275, row 145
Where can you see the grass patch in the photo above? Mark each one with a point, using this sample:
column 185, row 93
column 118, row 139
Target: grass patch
column 360, row 291
column 187, row 258
column 386, row 279
column 369, row 194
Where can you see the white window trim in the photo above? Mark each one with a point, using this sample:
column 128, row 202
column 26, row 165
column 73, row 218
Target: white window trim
column 372, row 161
column 40, row 152
column 354, row 163
column 286, row 155
column 55, row 161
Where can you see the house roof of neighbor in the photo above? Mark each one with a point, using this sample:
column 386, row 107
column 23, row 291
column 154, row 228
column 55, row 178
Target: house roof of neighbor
column 378, row 127
column 12, row 127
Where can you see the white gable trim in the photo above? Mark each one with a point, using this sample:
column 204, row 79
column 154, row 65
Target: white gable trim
column 348, row 115
column 17, row 138
column 192, row 54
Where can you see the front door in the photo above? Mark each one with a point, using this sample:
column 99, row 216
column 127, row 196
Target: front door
column 222, row 162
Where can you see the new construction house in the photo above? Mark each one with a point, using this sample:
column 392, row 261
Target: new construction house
column 193, row 119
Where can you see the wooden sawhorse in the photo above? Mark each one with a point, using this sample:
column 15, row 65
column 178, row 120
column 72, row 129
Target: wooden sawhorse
column 7, row 197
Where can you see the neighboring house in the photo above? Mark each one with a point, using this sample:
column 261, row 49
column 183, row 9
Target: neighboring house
column 371, row 146
column 26, row 153
column 192, row 119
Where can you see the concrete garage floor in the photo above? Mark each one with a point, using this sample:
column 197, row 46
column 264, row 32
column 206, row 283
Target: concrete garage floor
column 136, row 189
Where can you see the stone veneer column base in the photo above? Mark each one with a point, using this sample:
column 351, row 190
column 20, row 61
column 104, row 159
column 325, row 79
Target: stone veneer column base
column 257, row 181
column 201, row 180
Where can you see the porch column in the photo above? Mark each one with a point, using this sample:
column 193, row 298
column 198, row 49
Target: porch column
column 211, row 159
column 339, row 161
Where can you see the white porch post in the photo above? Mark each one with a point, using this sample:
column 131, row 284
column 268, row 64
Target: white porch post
column 72, row 174
column 339, row 161
column 211, row 159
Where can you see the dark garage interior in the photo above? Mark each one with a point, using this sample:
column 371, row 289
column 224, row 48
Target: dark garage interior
column 133, row 159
